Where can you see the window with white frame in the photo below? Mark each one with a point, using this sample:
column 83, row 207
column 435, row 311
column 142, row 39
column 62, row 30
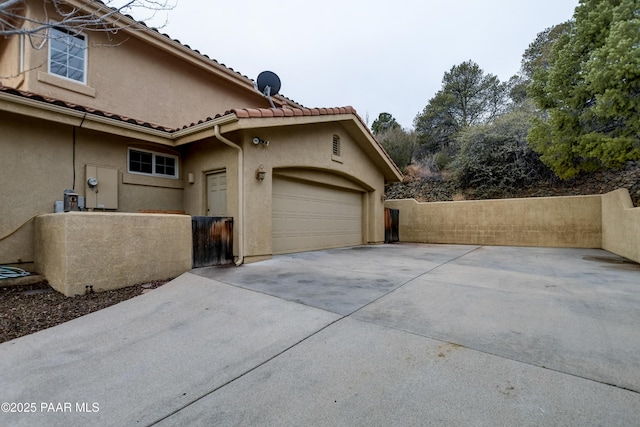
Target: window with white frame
column 151, row 163
column 68, row 54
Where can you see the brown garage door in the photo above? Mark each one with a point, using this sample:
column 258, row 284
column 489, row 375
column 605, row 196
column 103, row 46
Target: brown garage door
column 308, row 217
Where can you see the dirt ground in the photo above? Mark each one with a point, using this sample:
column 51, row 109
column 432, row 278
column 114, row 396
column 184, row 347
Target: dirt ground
column 30, row 308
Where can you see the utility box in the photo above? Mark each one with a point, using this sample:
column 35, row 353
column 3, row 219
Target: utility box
column 101, row 187
column 70, row 201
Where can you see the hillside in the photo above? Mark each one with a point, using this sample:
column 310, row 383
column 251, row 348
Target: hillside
column 437, row 188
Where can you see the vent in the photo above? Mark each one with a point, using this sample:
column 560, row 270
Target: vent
column 336, row 145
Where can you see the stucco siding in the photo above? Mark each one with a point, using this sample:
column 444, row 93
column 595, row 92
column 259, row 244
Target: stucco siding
column 305, row 153
column 37, row 165
column 574, row 221
column 621, row 225
column 130, row 77
column 82, row 252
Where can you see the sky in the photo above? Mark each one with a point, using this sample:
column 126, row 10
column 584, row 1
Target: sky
column 376, row 56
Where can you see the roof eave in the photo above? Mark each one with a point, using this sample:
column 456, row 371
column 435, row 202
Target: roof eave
column 82, row 119
column 165, row 43
column 227, row 123
column 64, row 115
column 350, row 121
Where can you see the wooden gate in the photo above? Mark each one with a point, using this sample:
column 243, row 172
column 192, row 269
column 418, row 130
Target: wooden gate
column 212, row 240
column 391, row 225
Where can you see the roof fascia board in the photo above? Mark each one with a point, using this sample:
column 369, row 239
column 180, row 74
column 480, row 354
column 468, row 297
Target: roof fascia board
column 65, row 115
column 265, row 122
column 350, row 121
column 227, row 123
column 190, row 56
column 392, row 173
column 165, row 43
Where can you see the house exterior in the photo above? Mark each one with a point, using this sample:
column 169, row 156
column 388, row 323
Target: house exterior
column 135, row 121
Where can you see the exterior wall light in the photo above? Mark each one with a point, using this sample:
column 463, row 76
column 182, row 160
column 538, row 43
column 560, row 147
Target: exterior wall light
column 260, row 173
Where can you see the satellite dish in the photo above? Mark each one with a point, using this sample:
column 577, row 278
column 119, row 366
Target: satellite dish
column 268, row 84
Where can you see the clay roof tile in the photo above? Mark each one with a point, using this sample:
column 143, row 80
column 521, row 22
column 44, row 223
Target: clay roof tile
column 253, row 112
column 240, row 113
column 76, row 107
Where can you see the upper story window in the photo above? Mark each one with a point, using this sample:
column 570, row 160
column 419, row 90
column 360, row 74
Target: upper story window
column 150, row 163
column 68, row 55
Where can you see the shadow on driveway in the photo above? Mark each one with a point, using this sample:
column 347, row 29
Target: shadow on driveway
column 403, row 334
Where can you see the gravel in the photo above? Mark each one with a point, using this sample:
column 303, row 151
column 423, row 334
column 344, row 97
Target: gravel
column 31, row 308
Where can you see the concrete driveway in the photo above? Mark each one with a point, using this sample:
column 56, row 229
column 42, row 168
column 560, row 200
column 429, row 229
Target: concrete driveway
column 404, row 334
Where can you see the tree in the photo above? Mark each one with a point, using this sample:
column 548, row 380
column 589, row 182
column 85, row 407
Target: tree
column 383, row 123
column 97, row 16
column 538, row 54
column 591, row 91
column 399, row 144
column 468, row 96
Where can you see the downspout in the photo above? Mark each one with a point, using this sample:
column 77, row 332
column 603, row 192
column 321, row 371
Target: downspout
column 219, row 137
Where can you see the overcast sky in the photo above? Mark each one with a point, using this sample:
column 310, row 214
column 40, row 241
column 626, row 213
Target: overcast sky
column 377, row 56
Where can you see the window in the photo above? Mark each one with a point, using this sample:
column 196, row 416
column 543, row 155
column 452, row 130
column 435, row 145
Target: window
column 336, row 145
column 68, row 54
column 150, row 163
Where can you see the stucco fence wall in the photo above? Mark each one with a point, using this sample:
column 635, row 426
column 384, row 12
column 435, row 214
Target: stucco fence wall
column 106, row 251
column 621, row 225
column 599, row 221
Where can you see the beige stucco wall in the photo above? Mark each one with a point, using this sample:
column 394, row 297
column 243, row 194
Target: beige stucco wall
column 36, row 166
column 574, row 221
column 10, row 61
column 621, row 225
column 133, row 78
column 110, row 250
column 300, row 152
column 305, row 153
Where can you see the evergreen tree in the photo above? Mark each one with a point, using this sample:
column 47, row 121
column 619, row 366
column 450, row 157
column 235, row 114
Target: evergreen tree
column 591, row 91
column 384, row 123
column 468, row 96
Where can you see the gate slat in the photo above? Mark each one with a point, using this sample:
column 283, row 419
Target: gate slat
column 212, row 241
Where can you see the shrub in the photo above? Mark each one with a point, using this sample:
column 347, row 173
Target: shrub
column 495, row 158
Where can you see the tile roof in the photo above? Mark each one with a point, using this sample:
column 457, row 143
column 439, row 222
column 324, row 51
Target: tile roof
column 214, row 61
column 240, row 113
column 211, row 59
column 290, row 112
column 89, row 110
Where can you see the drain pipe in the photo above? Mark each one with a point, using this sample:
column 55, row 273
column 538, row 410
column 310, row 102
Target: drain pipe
column 219, row 137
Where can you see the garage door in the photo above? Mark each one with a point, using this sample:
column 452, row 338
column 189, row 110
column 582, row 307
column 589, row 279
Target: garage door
column 307, row 217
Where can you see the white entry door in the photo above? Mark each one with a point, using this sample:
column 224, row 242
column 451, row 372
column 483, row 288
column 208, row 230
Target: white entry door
column 217, row 194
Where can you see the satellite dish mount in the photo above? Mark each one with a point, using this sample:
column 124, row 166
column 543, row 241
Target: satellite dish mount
column 268, row 84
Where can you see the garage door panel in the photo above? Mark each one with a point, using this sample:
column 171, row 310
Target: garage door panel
column 308, row 217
